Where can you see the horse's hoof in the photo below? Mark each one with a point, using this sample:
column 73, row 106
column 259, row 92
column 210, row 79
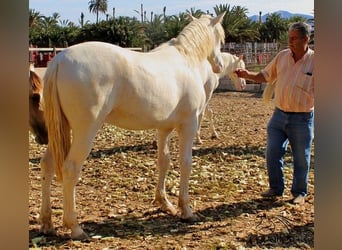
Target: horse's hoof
column 166, row 207
column 47, row 230
column 198, row 142
column 191, row 219
column 169, row 209
column 79, row 236
column 214, row 136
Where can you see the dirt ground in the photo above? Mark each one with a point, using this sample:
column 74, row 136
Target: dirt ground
column 115, row 193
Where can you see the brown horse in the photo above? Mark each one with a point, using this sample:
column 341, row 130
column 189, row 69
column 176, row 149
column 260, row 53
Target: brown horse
column 36, row 120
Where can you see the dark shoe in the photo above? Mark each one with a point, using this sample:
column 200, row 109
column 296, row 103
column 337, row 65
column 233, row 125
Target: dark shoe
column 300, row 199
column 270, row 194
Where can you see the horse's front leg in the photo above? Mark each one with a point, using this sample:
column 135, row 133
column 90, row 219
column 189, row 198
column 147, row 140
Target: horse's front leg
column 186, row 134
column 163, row 166
column 47, row 173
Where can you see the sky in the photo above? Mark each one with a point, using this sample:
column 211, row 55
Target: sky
column 71, row 9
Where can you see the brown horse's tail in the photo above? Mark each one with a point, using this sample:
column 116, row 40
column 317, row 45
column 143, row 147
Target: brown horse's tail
column 56, row 122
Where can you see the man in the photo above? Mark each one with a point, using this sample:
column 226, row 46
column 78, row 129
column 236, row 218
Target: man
column 291, row 70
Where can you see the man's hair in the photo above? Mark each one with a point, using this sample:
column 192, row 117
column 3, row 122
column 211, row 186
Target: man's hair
column 303, row 28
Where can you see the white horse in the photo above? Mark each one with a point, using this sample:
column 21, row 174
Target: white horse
column 231, row 63
column 91, row 83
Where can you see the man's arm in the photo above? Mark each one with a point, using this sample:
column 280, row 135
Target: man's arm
column 257, row 77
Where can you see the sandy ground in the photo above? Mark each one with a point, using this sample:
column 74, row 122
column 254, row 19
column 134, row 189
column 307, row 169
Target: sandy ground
column 115, row 192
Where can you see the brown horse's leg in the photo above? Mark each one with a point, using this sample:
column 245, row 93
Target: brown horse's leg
column 47, row 173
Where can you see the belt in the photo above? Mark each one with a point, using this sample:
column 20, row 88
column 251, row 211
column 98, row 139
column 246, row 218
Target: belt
column 293, row 113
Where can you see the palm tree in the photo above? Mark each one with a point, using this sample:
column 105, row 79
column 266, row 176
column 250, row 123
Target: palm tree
column 155, row 30
column 236, row 24
column 34, row 17
column 164, row 13
column 82, row 20
column 274, row 28
column 56, row 16
column 96, row 6
column 195, row 13
column 65, row 23
column 175, row 24
column 49, row 27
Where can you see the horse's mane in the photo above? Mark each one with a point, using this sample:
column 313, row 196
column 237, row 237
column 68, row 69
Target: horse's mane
column 36, row 81
column 196, row 39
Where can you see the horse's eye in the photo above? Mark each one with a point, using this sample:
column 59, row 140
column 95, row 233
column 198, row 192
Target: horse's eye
column 35, row 98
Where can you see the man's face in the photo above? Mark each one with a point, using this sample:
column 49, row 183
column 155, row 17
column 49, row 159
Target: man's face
column 296, row 41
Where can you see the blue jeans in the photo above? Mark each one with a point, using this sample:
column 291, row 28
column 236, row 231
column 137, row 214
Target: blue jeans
column 296, row 129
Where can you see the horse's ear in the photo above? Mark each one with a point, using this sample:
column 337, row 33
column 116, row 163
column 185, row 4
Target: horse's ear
column 31, row 66
column 241, row 57
column 191, row 17
column 218, row 19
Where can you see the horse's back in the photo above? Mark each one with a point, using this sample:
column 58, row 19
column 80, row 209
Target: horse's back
column 89, row 59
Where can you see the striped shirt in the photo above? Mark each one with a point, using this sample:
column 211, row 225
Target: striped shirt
column 294, row 89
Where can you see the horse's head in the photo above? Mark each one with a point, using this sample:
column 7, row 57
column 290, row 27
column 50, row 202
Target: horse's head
column 36, row 113
column 239, row 83
column 215, row 58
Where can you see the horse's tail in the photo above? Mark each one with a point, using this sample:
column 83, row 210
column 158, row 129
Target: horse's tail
column 56, row 122
column 268, row 92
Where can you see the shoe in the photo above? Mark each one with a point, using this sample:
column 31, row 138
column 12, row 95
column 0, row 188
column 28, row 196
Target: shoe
column 270, row 193
column 300, row 199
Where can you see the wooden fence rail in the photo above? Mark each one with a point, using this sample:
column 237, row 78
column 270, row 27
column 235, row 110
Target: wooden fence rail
column 40, row 57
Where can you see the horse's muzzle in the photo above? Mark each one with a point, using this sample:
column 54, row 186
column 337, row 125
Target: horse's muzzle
column 217, row 68
column 41, row 135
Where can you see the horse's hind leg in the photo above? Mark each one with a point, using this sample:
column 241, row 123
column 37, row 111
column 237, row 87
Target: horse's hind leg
column 211, row 119
column 163, row 165
column 80, row 149
column 47, row 173
column 198, row 139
